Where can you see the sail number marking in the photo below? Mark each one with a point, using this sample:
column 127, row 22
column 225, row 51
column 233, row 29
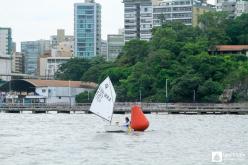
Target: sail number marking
column 100, row 94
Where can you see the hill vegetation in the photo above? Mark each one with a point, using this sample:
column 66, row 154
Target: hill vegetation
column 177, row 54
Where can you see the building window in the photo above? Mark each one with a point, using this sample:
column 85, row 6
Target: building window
column 59, row 97
column 43, row 90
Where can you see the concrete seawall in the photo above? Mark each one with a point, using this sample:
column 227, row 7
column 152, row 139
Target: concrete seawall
column 122, row 108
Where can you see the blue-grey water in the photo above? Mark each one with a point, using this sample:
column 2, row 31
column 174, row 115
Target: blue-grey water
column 79, row 139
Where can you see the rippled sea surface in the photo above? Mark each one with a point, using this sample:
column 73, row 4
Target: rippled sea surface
column 79, row 139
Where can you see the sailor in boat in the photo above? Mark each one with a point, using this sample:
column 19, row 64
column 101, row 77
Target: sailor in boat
column 127, row 122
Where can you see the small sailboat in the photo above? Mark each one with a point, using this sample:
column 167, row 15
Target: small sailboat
column 103, row 105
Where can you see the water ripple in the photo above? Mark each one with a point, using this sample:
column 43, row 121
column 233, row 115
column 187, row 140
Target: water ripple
column 76, row 139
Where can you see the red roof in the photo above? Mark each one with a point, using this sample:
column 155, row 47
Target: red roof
column 59, row 83
column 231, row 47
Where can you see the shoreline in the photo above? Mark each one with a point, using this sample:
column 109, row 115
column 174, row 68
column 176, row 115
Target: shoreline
column 123, row 108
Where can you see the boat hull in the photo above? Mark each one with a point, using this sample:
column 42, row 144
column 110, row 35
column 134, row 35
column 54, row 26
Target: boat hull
column 116, row 128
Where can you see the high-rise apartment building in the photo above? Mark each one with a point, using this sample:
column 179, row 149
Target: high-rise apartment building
column 5, row 42
column 173, row 10
column 32, row 51
column 5, row 52
column 137, row 19
column 141, row 16
column 87, row 29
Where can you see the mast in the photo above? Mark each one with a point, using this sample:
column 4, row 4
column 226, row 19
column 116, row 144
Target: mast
column 113, row 100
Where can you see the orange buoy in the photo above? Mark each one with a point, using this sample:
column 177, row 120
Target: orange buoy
column 138, row 120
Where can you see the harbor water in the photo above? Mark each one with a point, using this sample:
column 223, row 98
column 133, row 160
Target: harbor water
column 79, row 139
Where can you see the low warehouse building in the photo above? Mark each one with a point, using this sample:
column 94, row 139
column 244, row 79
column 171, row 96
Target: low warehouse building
column 44, row 91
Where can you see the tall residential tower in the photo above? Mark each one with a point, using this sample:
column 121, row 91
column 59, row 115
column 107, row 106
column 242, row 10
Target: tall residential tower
column 31, row 51
column 5, row 52
column 87, row 29
column 137, row 19
column 172, row 10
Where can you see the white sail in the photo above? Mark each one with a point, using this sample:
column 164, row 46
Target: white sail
column 103, row 102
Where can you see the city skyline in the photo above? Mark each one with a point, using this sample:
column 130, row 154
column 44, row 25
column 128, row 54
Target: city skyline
column 29, row 22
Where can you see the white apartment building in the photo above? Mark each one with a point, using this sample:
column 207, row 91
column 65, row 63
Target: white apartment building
column 141, row 16
column 48, row 66
column 173, row 10
column 5, row 52
column 137, row 19
column 146, row 19
column 241, row 7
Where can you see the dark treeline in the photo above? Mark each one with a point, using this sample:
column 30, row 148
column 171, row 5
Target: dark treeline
column 177, row 54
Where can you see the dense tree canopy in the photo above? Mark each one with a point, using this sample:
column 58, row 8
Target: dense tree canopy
column 177, row 54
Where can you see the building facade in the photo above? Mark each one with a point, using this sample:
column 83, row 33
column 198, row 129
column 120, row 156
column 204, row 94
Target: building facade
column 64, row 49
column 18, row 62
column 31, row 51
column 137, row 19
column 13, row 47
column 115, row 45
column 198, row 11
column 48, row 66
column 104, row 49
column 87, row 29
column 140, row 16
column 227, row 6
column 241, row 7
column 173, row 10
column 50, row 61
column 45, row 91
column 5, row 68
column 5, row 42
column 60, row 37
column 5, row 52
column 229, row 49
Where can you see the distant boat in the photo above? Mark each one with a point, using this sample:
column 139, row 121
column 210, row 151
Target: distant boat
column 103, row 105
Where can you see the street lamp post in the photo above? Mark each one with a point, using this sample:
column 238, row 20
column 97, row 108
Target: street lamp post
column 194, row 96
column 88, row 95
column 70, row 92
column 166, row 90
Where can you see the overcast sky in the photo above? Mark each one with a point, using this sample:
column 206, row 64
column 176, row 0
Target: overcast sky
column 39, row 19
